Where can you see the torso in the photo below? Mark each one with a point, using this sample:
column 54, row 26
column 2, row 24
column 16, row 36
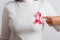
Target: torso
column 22, row 20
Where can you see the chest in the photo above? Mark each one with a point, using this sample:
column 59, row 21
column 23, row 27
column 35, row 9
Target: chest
column 23, row 17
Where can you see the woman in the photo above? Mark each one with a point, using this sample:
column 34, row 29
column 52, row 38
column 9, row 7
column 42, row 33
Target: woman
column 19, row 19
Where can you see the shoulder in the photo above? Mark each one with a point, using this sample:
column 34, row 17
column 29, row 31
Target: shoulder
column 47, row 3
column 49, row 8
column 10, row 4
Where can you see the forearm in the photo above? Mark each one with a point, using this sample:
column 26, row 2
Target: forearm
column 5, row 29
column 3, row 39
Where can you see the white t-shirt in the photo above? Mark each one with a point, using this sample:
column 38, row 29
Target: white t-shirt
column 21, row 19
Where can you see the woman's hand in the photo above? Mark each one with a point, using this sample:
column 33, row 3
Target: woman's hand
column 52, row 20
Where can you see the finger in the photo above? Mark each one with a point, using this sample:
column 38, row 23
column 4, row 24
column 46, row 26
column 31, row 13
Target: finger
column 49, row 22
column 47, row 17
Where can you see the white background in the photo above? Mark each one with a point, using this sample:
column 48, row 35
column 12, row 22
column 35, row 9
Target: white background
column 49, row 33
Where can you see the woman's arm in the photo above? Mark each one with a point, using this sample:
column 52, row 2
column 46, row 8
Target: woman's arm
column 5, row 30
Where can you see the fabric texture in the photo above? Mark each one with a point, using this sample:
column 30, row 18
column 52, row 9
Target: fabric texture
column 18, row 20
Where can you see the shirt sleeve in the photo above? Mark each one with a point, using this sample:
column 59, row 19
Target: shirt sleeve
column 57, row 28
column 5, row 30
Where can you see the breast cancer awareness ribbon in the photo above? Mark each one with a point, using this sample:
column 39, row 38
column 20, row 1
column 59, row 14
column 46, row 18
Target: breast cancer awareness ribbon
column 38, row 18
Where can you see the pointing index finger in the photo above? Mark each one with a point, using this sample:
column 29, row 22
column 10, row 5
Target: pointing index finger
column 46, row 17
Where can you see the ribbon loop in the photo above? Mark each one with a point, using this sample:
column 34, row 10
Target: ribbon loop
column 38, row 18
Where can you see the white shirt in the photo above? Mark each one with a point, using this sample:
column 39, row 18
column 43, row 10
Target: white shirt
column 21, row 19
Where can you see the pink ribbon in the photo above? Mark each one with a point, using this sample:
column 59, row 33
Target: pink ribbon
column 37, row 18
